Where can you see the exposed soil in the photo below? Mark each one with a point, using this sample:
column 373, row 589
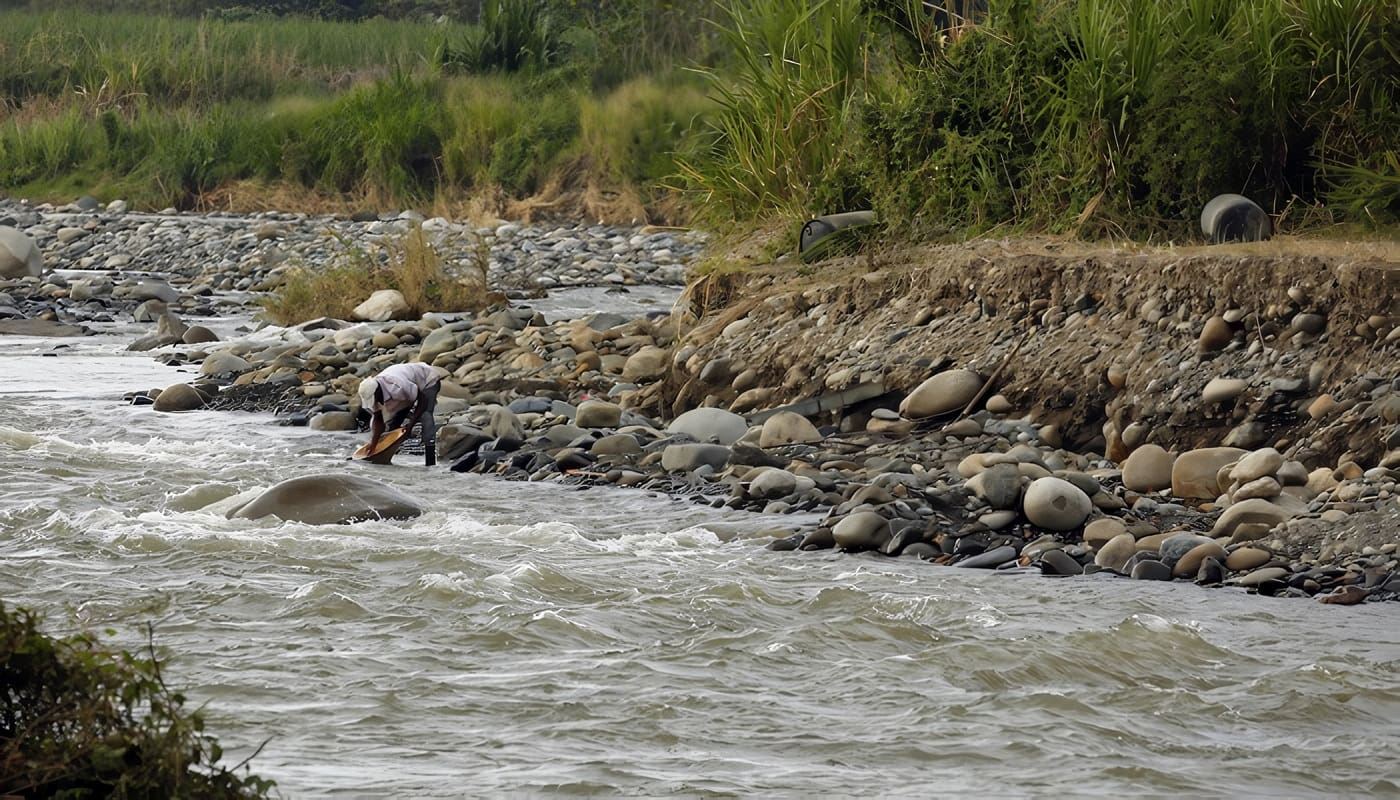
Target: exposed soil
column 1076, row 335
column 1093, row 340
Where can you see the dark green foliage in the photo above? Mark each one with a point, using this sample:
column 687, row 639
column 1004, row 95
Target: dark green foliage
column 1126, row 116
column 80, row 720
column 511, row 36
column 384, row 136
column 522, row 159
column 1202, row 130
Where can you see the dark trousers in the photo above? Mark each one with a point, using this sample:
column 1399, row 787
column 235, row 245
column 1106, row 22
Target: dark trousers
column 428, row 397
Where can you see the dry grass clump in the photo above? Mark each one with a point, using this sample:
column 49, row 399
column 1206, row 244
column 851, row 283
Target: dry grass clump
column 409, row 264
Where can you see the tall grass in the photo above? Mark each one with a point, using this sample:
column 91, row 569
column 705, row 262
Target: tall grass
column 512, row 35
column 785, row 106
column 1094, row 116
column 631, row 134
column 409, row 264
column 1125, row 116
column 170, row 60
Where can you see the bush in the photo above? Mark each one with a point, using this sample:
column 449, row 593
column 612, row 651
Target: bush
column 409, row 264
column 78, row 719
column 786, row 126
column 512, row 36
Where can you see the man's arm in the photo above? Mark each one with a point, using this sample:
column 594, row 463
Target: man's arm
column 376, row 428
column 417, row 413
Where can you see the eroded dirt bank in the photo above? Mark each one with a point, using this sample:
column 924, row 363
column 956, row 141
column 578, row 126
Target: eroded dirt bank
column 1297, row 340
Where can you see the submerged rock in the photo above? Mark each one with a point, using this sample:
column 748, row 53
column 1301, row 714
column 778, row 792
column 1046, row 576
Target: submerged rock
column 330, row 500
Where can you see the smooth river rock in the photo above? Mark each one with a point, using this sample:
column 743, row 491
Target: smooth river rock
column 330, row 499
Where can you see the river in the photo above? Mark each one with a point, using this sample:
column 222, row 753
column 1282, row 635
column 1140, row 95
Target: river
column 534, row 639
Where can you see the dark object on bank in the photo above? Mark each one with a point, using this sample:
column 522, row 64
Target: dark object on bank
column 1235, row 218
column 833, row 234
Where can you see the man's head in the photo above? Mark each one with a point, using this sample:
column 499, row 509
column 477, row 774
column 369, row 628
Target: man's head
column 369, row 394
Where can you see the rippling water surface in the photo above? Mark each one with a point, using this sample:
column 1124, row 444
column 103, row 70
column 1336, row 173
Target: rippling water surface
column 543, row 640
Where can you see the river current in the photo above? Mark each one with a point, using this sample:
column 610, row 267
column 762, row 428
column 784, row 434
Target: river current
column 543, row 640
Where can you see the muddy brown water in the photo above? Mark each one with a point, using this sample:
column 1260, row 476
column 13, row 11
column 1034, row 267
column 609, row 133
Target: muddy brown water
column 533, row 639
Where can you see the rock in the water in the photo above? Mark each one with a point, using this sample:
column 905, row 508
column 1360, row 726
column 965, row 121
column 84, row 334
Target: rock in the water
column 1116, row 552
column 180, row 397
column 862, row 530
column 330, row 499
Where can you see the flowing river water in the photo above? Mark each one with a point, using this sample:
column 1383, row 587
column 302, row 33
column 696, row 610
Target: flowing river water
column 536, row 639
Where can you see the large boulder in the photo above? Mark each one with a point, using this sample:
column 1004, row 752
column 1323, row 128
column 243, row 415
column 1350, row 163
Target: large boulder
column 944, row 392
column 1194, row 472
column 223, row 362
column 690, row 457
column 180, row 397
column 330, row 499
column 1056, row 504
column 598, row 414
column 146, row 289
column 705, row 424
column 382, row 306
column 19, row 256
column 647, row 364
column 1148, row 469
column 787, row 427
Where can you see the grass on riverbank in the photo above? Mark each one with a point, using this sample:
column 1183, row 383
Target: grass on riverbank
column 1101, row 117
column 1112, row 118
column 166, row 112
column 409, row 264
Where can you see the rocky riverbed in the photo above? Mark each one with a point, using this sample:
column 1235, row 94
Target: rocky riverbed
column 1229, row 416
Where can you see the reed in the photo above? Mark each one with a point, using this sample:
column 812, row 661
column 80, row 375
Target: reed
column 786, row 107
column 409, row 264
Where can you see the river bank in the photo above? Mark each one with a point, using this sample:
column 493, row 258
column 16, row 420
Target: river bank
column 1229, row 416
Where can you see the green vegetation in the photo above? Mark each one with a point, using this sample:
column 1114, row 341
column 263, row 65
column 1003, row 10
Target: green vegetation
column 1099, row 117
column 409, row 264
column 78, row 719
column 168, row 111
column 1105, row 117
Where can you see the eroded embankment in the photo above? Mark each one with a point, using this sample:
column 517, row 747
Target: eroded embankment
column 1297, row 341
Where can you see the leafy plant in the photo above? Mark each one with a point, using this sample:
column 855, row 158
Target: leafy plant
column 511, row 36
column 787, row 108
column 78, row 719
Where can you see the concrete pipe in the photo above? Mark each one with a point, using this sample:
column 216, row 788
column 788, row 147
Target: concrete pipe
column 1235, row 218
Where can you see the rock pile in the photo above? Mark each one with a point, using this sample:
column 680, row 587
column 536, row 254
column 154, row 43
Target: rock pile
column 1052, row 414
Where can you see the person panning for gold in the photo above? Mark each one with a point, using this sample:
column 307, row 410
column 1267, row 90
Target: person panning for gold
column 403, row 395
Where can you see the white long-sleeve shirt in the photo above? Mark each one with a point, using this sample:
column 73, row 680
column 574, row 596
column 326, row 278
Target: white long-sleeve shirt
column 400, row 384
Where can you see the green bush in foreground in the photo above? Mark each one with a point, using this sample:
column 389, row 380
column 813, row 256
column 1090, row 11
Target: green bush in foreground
column 78, row 719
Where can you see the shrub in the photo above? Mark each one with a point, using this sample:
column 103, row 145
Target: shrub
column 511, row 36
column 409, row 264
column 78, row 719
column 786, row 123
